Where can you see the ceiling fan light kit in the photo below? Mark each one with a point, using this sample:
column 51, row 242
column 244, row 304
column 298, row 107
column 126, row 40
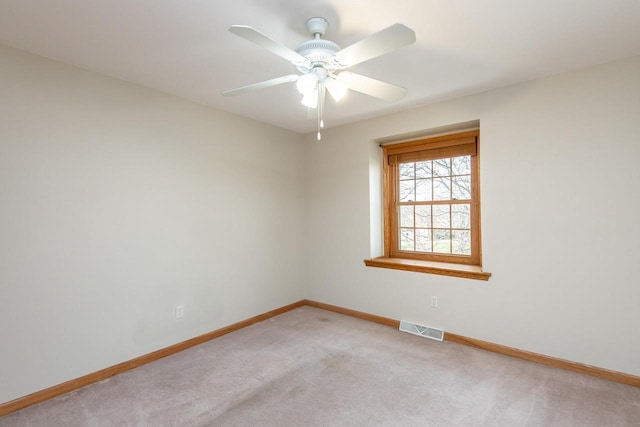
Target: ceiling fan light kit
column 322, row 64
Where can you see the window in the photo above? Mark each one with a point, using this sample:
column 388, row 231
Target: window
column 432, row 204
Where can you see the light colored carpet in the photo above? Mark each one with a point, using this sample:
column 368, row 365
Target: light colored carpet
column 310, row 367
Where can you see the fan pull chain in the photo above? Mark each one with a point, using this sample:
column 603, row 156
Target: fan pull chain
column 319, row 137
column 320, row 109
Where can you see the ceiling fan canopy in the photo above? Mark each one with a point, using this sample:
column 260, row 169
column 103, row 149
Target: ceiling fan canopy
column 322, row 64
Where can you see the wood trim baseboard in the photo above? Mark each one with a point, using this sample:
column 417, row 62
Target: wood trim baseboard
column 353, row 313
column 567, row 365
column 66, row 387
column 594, row 371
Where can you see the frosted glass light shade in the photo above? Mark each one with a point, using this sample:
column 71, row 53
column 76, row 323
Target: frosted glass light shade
column 307, row 83
column 336, row 88
column 311, row 99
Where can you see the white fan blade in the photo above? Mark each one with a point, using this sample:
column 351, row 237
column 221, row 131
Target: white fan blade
column 261, row 85
column 255, row 36
column 372, row 87
column 384, row 41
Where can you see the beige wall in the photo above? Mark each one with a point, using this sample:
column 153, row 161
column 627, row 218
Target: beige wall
column 118, row 203
column 560, row 186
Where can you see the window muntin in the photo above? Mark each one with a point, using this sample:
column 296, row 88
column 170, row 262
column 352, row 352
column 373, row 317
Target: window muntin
column 432, row 200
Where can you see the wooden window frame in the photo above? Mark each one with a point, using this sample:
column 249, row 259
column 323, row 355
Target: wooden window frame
column 452, row 145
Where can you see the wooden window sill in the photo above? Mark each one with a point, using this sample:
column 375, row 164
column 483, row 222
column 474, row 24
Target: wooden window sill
column 419, row 266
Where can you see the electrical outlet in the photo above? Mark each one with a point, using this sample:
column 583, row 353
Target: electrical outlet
column 179, row 311
column 434, row 302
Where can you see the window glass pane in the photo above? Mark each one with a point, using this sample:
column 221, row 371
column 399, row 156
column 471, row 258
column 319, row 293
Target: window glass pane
column 442, row 167
column 461, row 242
column 406, row 239
column 423, row 216
column 461, row 216
column 442, row 241
column 407, row 170
column 424, row 169
column 407, row 191
column 442, row 189
column 406, row 216
column 423, row 190
column 461, row 189
column 461, row 165
column 441, row 217
column 423, row 240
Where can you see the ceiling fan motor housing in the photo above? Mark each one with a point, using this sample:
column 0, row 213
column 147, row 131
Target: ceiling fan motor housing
column 318, row 51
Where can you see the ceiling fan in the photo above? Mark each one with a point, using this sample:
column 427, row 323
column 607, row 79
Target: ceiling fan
column 322, row 64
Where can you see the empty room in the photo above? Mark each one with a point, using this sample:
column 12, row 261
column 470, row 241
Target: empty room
column 328, row 213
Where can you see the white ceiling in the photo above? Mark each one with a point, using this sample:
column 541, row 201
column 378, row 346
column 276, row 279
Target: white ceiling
column 183, row 47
